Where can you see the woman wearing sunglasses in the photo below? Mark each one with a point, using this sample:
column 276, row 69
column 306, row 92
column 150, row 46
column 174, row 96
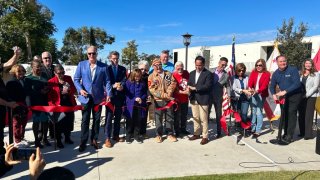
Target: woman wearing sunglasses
column 62, row 92
column 258, row 85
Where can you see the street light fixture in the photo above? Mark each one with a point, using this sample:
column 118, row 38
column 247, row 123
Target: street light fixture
column 186, row 42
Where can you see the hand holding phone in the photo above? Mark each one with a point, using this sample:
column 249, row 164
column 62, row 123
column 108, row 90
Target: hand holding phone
column 20, row 154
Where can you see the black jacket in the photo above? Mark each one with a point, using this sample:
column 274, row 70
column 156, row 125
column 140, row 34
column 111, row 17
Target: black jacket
column 203, row 86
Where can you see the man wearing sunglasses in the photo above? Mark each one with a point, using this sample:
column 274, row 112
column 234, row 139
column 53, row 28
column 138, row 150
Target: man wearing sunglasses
column 220, row 81
column 91, row 80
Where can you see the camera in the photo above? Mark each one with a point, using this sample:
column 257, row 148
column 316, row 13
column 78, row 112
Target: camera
column 23, row 153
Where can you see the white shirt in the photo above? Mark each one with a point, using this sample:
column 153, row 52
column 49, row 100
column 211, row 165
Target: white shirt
column 258, row 79
column 93, row 70
column 197, row 76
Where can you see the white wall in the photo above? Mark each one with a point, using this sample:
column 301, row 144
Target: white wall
column 246, row 53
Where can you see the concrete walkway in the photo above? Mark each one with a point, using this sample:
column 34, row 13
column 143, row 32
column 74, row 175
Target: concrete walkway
column 182, row 158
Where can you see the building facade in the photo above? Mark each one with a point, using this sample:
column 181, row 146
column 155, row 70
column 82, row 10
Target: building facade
column 246, row 53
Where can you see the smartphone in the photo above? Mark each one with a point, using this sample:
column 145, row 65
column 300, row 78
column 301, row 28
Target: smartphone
column 23, row 153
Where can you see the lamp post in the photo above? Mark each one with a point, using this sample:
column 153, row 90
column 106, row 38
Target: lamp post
column 186, row 42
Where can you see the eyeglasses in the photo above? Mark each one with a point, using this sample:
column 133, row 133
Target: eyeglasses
column 158, row 65
column 223, row 64
column 92, row 53
column 179, row 69
column 259, row 65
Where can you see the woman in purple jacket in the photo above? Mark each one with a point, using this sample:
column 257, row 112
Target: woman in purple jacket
column 135, row 110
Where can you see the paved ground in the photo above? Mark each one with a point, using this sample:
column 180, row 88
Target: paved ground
column 182, row 158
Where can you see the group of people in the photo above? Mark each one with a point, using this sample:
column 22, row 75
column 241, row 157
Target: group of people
column 168, row 87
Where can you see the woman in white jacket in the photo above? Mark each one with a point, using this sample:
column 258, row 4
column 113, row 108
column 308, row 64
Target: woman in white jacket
column 310, row 82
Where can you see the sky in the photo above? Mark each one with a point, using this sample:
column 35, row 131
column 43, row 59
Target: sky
column 157, row 25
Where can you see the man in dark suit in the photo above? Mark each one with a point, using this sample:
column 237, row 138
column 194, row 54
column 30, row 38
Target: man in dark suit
column 200, row 85
column 118, row 80
column 220, row 81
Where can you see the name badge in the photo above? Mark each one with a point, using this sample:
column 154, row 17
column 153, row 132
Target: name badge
column 287, row 75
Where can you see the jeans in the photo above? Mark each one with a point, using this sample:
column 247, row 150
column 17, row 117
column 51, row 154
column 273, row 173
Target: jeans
column 257, row 115
column 242, row 107
column 88, row 108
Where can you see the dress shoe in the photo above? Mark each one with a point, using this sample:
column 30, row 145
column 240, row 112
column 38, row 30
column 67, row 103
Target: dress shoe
column 107, row 143
column 128, row 139
column 118, row 139
column 172, row 138
column 82, row 147
column 158, row 139
column 194, row 137
column 204, row 141
column 95, row 144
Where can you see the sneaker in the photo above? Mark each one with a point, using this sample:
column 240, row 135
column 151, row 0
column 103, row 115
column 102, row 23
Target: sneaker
column 158, row 139
column 172, row 138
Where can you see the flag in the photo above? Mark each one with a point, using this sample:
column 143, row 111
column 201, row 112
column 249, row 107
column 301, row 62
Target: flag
column 272, row 109
column 316, row 60
column 272, row 62
column 231, row 70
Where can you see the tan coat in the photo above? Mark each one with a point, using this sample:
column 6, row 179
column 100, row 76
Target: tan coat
column 162, row 88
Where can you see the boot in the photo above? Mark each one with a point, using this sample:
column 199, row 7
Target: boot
column 45, row 134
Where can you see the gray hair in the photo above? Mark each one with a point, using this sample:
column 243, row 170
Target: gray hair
column 178, row 63
column 143, row 63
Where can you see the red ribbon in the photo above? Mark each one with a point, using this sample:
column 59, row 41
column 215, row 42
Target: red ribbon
column 169, row 105
column 56, row 108
column 236, row 115
column 281, row 101
column 104, row 103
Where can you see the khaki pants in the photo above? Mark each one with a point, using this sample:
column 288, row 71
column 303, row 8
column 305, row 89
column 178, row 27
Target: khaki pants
column 200, row 119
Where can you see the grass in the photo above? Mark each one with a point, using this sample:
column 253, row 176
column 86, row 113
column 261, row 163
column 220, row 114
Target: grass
column 273, row 175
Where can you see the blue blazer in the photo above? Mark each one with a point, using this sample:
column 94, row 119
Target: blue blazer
column 97, row 86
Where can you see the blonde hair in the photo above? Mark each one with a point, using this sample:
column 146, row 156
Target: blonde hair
column 15, row 69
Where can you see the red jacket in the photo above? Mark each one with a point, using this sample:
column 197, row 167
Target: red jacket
column 263, row 82
column 54, row 93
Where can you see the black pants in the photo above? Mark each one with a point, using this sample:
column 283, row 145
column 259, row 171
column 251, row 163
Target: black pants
column 88, row 109
column 180, row 118
column 134, row 124
column 159, row 118
column 291, row 108
column 143, row 129
column 306, row 113
column 118, row 103
column 217, row 103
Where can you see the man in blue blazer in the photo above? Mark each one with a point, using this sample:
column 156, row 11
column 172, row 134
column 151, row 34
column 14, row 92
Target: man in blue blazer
column 118, row 80
column 91, row 80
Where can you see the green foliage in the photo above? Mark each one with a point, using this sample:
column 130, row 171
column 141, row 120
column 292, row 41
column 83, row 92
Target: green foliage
column 27, row 24
column 76, row 41
column 147, row 57
column 130, row 54
column 291, row 43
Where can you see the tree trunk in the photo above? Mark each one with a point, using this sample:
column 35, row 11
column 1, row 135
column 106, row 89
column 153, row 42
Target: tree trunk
column 28, row 43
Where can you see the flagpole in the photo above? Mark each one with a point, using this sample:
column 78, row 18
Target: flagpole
column 230, row 84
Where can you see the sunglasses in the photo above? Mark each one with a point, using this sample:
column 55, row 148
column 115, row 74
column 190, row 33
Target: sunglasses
column 240, row 70
column 92, row 53
column 259, row 65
